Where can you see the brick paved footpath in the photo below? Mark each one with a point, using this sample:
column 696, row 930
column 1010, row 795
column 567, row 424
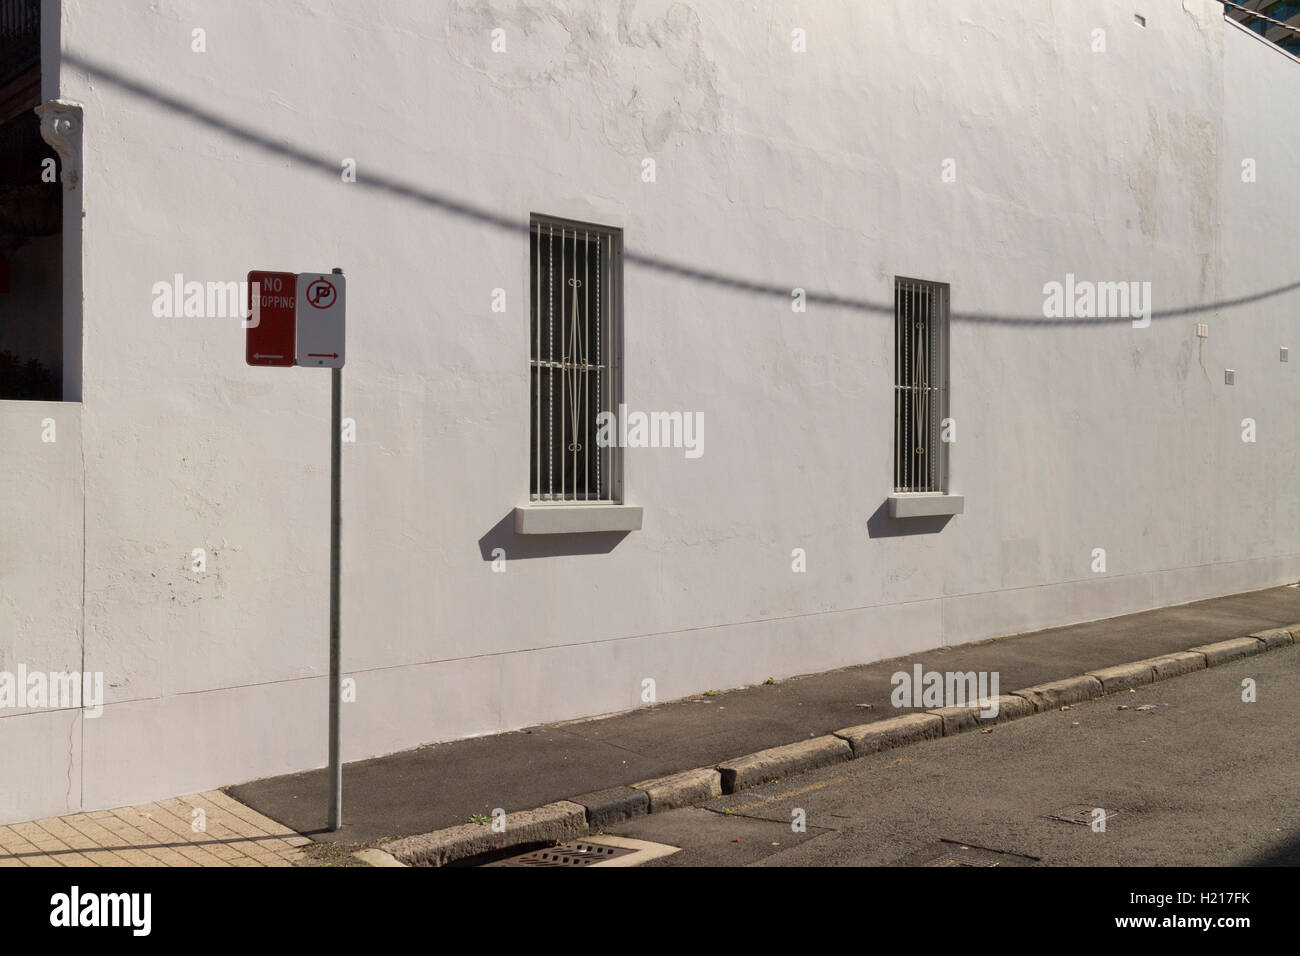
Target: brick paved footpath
column 155, row 834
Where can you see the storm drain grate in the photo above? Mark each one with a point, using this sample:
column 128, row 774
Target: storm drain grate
column 954, row 853
column 965, row 858
column 1083, row 814
column 573, row 853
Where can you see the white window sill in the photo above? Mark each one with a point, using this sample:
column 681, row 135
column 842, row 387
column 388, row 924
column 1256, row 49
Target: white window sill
column 576, row 519
column 925, row 505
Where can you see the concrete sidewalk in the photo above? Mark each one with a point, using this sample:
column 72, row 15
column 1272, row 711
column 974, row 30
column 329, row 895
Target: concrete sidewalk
column 443, row 785
column 155, row 834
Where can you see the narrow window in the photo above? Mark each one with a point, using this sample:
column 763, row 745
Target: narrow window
column 920, row 386
column 576, row 279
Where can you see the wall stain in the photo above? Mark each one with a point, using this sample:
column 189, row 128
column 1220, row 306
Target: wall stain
column 642, row 79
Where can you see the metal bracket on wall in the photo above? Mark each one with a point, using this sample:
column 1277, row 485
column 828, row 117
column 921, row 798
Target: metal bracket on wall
column 61, row 125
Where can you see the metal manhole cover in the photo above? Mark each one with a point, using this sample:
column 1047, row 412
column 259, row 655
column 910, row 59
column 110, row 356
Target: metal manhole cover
column 573, row 853
column 1084, row 814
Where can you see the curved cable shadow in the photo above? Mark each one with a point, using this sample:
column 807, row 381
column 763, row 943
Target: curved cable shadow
column 456, row 207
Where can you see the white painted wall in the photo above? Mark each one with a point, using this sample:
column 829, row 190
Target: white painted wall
column 819, row 170
column 41, row 562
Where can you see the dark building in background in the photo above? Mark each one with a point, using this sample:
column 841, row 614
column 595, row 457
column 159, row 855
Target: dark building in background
column 31, row 218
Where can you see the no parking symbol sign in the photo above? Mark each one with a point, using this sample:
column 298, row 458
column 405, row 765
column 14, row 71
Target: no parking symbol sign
column 321, row 327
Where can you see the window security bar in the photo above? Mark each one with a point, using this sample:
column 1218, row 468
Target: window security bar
column 572, row 371
column 920, row 386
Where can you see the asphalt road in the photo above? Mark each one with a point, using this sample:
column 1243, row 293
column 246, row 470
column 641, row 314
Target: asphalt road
column 1203, row 778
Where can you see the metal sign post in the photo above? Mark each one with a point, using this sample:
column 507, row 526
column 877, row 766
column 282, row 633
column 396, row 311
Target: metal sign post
column 336, row 526
column 298, row 319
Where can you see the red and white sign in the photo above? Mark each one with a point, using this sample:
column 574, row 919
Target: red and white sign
column 272, row 318
column 321, row 329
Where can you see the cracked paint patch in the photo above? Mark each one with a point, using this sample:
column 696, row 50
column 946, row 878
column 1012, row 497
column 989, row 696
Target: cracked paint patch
column 644, row 79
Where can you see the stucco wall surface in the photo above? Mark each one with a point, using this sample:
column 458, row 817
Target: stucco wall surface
column 775, row 169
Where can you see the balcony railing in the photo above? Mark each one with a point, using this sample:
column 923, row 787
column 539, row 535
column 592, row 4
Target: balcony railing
column 20, row 37
column 1276, row 20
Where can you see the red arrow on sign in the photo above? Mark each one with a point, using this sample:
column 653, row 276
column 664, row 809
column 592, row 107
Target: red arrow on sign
column 322, row 354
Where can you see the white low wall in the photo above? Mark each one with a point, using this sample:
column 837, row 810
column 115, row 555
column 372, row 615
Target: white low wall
column 41, row 563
